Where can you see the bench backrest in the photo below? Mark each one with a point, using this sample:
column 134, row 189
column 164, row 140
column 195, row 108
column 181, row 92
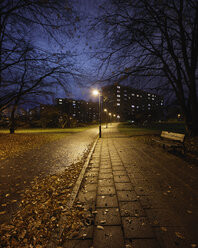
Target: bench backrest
column 173, row 136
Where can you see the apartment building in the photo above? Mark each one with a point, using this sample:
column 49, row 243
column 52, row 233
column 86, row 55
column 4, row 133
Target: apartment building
column 128, row 103
column 78, row 109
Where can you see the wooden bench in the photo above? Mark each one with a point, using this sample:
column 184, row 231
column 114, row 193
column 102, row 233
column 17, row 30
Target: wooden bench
column 172, row 140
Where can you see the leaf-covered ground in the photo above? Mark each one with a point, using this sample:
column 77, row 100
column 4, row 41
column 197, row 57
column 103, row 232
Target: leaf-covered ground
column 40, row 209
column 12, row 145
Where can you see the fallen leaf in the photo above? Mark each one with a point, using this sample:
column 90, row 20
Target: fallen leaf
column 193, row 245
column 164, row 229
column 3, row 212
column 189, row 211
column 179, row 235
column 100, row 227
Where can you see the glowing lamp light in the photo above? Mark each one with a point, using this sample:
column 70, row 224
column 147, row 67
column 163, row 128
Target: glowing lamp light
column 105, row 110
column 95, row 92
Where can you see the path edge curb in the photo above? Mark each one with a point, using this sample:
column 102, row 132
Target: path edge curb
column 80, row 177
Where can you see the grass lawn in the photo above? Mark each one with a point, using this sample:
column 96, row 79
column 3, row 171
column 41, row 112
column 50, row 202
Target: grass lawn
column 154, row 129
column 27, row 139
column 48, row 130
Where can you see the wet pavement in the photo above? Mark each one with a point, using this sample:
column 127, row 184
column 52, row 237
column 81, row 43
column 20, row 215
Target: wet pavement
column 138, row 196
column 17, row 173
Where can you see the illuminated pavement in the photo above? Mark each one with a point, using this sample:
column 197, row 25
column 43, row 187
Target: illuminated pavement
column 17, row 173
column 138, row 196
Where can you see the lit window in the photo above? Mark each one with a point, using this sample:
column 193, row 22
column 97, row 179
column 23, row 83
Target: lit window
column 149, row 104
column 118, row 87
column 161, row 103
column 133, row 106
column 74, row 101
column 153, row 95
column 138, row 95
column 149, row 98
column 118, row 104
column 74, row 104
column 60, row 100
column 118, row 91
column 149, row 108
column 74, row 114
column 118, row 95
column 133, row 94
column 149, row 94
column 118, row 100
column 141, row 96
column 137, row 106
column 129, row 97
column 153, row 99
column 60, row 103
column 125, row 94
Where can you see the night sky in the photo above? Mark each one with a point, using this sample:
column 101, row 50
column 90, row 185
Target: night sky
column 82, row 42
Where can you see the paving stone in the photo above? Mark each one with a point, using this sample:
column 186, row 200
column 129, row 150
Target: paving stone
column 118, row 168
column 77, row 244
column 137, row 227
column 131, row 209
column 108, row 216
column 91, row 179
column 110, row 237
column 126, row 195
column 93, row 169
column 143, row 243
column 105, row 182
column 91, row 174
column 105, row 170
column 107, row 201
column 86, row 230
column 121, row 179
column 91, row 187
column 120, row 173
column 107, row 190
column 123, row 186
column 86, row 196
column 105, row 175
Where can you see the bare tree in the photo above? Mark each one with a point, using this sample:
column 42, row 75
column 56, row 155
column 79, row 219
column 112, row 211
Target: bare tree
column 26, row 70
column 157, row 41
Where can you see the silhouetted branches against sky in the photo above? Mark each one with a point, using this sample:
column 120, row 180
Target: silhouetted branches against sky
column 156, row 38
column 25, row 67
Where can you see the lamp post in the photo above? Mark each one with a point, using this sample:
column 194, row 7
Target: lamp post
column 105, row 110
column 97, row 93
column 110, row 118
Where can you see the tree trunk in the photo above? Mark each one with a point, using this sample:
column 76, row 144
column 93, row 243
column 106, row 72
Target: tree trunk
column 12, row 120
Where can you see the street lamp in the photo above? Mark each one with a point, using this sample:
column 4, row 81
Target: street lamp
column 110, row 118
column 105, row 110
column 97, row 93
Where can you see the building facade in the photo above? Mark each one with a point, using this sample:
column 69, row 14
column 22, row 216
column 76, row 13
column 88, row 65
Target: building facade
column 130, row 104
column 80, row 110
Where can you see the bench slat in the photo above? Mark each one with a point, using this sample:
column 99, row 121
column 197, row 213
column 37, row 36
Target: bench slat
column 173, row 136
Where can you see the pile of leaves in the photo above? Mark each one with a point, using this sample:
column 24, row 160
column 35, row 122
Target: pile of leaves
column 40, row 210
column 12, row 145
